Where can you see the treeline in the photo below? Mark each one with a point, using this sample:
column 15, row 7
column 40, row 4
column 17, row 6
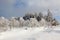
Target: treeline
column 29, row 20
column 48, row 18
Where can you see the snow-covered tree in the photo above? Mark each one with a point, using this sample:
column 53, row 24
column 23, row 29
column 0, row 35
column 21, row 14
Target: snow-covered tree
column 21, row 22
column 26, row 23
column 26, row 17
column 49, row 16
column 14, row 23
column 38, row 18
column 33, row 22
column 43, row 22
column 4, row 23
column 54, row 22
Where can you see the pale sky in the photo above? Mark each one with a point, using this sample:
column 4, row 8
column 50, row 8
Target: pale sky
column 9, row 8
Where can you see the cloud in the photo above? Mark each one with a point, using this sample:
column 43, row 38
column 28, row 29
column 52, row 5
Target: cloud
column 19, row 7
column 43, row 5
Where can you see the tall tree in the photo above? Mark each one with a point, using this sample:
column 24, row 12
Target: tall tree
column 49, row 17
column 49, row 13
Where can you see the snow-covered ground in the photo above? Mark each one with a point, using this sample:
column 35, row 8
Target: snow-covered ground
column 37, row 33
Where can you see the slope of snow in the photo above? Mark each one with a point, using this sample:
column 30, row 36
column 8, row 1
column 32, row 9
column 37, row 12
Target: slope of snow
column 37, row 33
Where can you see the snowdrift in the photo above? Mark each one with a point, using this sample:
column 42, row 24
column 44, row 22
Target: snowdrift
column 36, row 33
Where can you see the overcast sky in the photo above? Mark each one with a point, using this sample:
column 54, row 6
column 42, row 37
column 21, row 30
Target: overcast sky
column 9, row 8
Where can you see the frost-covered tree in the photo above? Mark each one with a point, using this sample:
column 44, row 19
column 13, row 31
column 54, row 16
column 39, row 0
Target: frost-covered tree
column 26, row 23
column 4, row 23
column 43, row 22
column 33, row 22
column 26, row 17
column 49, row 13
column 38, row 18
column 49, row 16
column 54, row 22
column 21, row 22
column 14, row 23
column 31, row 15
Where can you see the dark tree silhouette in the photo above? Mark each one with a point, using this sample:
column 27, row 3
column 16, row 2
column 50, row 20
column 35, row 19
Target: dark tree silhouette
column 18, row 18
column 38, row 18
column 28, row 16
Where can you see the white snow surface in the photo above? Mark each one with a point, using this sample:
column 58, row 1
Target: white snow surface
column 36, row 33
